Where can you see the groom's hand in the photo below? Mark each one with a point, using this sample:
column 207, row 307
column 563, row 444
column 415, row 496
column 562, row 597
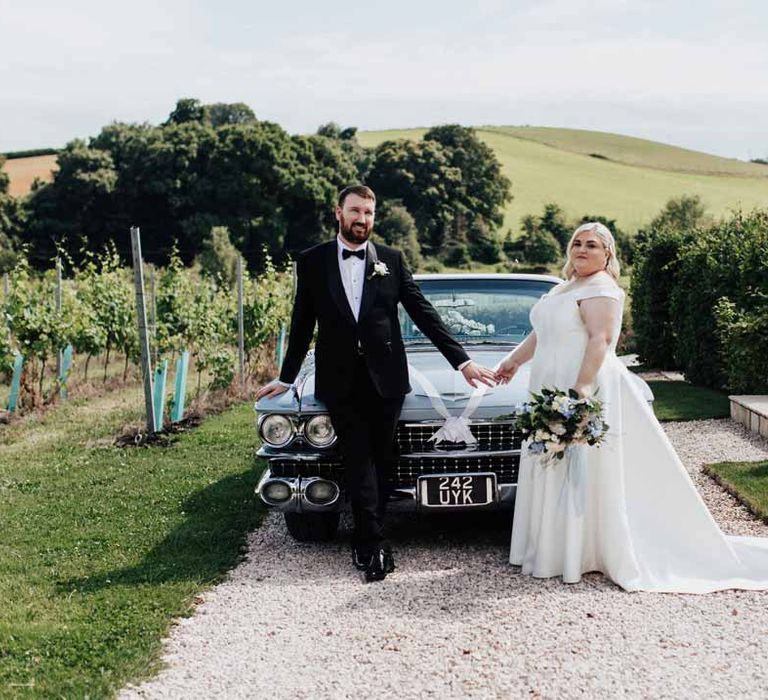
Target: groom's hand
column 270, row 390
column 476, row 373
column 506, row 370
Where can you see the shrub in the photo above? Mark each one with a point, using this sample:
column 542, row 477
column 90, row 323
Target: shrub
column 653, row 281
column 743, row 337
column 725, row 260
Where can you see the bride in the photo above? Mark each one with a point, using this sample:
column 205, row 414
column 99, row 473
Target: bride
column 627, row 508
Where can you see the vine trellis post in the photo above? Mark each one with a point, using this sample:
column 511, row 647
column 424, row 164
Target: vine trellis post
column 240, row 323
column 141, row 313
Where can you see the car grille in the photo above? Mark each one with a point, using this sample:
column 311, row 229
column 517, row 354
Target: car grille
column 407, row 470
column 326, row 469
column 491, row 436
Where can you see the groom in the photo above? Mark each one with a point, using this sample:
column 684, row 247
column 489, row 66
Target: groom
column 350, row 289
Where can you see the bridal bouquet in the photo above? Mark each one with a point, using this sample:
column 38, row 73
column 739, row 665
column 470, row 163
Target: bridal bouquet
column 554, row 420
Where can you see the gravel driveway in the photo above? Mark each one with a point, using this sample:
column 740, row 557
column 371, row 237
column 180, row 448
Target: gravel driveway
column 455, row 620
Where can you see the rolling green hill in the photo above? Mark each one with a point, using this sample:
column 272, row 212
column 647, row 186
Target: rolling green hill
column 621, row 177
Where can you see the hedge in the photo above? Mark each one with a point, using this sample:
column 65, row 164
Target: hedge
column 700, row 300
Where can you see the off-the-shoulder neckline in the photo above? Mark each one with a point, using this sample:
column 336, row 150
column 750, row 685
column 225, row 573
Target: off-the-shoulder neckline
column 604, row 280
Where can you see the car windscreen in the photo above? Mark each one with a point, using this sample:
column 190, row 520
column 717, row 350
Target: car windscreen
column 479, row 310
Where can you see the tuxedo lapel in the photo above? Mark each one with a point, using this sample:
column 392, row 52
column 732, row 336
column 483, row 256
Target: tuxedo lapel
column 370, row 284
column 335, row 284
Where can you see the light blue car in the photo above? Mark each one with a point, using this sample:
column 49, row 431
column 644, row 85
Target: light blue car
column 489, row 315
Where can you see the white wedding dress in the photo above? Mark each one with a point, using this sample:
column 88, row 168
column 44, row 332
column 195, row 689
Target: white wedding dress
column 627, row 508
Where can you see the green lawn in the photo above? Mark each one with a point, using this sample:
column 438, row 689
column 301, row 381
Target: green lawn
column 683, row 401
column 631, row 185
column 748, row 481
column 102, row 547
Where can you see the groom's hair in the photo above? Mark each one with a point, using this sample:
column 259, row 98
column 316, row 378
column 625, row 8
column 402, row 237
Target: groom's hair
column 360, row 190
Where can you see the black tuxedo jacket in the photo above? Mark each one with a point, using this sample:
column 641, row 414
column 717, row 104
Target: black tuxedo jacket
column 320, row 299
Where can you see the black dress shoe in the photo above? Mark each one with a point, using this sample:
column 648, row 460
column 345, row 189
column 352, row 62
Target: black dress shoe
column 381, row 563
column 375, row 570
column 389, row 561
column 360, row 558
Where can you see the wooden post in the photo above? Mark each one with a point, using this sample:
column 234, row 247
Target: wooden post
column 179, row 397
column 59, row 351
column 240, row 322
column 141, row 313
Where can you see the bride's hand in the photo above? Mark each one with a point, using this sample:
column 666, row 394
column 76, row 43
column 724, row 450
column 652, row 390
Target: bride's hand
column 583, row 390
column 507, row 369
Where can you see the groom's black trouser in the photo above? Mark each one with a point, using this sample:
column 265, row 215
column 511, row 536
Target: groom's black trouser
column 365, row 423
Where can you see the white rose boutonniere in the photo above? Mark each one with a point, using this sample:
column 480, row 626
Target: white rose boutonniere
column 380, row 269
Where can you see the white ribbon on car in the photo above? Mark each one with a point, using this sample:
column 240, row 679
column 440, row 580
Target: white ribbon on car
column 454, row 428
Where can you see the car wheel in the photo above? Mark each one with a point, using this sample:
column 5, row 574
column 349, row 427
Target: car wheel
column 312, row 527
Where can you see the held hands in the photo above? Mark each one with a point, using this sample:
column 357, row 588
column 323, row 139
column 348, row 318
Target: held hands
column 476, row 373
column 507, row 369
column 271, row 390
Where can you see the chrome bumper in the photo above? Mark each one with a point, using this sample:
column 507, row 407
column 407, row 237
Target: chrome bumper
column 400, row 499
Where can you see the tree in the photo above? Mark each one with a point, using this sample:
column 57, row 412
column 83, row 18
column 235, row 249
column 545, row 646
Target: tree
column 179, row 180
column 484, row 246
column 456, row 250
column 218, row 257
column 74, row 206
column 553, row 220
column 484, row 188
column 450, row 172
column 538, row 245
column 221, row 114
column 187, row 109
column 330, row 130
column 418, row 174
column 397, row 228
column 11, row 223
column 681, row 213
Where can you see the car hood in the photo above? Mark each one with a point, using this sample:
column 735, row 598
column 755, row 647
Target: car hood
column 433, row 369
column 430, row 368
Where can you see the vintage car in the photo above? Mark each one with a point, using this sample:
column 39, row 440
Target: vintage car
column 489, row 315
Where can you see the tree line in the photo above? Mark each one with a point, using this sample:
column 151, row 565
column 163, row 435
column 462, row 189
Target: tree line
column 218, row 165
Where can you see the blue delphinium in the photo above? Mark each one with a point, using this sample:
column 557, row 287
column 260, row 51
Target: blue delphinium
column 536, row 447
column 595, row 427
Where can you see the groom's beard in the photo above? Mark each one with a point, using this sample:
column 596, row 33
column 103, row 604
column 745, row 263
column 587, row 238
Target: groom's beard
column 356, row 233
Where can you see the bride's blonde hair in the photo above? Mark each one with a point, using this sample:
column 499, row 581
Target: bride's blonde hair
column 605, row 235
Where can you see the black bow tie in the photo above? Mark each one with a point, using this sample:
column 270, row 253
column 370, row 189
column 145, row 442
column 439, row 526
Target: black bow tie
column 345, row 253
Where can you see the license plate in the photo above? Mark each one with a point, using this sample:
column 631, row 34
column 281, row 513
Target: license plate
column 452, row 490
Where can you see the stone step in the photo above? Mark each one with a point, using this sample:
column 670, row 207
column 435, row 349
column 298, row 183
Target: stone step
column 751, row 411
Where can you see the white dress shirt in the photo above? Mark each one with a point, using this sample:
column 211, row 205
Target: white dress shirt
column 352, row 275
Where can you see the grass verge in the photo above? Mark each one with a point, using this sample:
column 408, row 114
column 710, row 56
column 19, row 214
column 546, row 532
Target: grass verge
column 102, row 547
column 747, row 481
column 684, row 401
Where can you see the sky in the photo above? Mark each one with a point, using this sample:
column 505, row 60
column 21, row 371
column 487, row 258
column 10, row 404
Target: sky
column 689, row 73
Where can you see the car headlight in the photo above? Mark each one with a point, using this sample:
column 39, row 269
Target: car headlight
column 276, row 430
column 319, row 431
